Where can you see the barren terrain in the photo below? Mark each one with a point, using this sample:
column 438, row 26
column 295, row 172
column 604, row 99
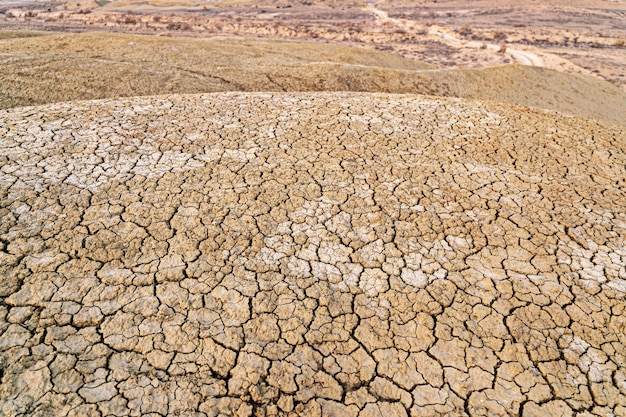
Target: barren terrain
column 44, row 69
column 375, row 255
column 586, row 37
column 312, row 208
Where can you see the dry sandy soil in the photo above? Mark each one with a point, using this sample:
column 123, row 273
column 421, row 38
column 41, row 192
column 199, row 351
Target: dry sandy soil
column 587, row 37
column 308, row 251
column 44, row 69
column 374, row 255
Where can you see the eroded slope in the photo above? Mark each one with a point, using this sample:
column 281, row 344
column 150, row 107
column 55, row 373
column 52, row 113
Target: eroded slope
column 86, row 66
column 375, row 255
column 98, row 65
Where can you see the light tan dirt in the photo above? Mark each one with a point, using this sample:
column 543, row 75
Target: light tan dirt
column 46, row 69
column 310, row 254
column 586, row 36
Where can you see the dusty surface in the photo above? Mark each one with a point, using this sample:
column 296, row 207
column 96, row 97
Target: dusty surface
column 376, row 255
column 44, row 69
column 586, row 37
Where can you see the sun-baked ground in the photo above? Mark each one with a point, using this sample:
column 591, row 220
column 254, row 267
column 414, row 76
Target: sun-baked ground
column 310, row 254
column 44, row 69
column 587, row 37
column 302, row 253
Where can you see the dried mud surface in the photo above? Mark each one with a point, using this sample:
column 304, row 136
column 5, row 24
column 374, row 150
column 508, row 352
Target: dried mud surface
column 375, row 255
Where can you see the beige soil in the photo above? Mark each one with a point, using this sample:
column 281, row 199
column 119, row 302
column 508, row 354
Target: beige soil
column 311, row 255
column 40, row 70
column 587, row 37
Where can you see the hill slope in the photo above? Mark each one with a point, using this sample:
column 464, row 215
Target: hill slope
column 372, row 255
column 86, row 66
column 97, row 65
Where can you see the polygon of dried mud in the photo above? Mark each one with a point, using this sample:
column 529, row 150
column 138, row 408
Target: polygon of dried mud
column 310, row 254
column 47, row 69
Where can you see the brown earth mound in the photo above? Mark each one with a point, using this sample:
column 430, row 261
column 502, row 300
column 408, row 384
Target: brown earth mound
column 56, row 68
column 302, row 254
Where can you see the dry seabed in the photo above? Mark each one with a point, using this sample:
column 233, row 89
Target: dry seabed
column 310, row 254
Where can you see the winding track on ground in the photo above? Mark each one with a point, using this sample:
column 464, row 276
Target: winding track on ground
column 520, row 56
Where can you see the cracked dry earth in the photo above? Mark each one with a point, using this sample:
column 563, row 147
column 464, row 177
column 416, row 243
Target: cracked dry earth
column 373, row 255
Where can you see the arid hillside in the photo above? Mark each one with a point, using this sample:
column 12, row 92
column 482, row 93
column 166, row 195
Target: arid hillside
column 312, row 208
column 578, row 36
column 311, row 254
column 44, row 69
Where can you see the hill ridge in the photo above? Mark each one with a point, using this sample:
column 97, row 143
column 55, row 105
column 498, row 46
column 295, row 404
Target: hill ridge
column 67, row 67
